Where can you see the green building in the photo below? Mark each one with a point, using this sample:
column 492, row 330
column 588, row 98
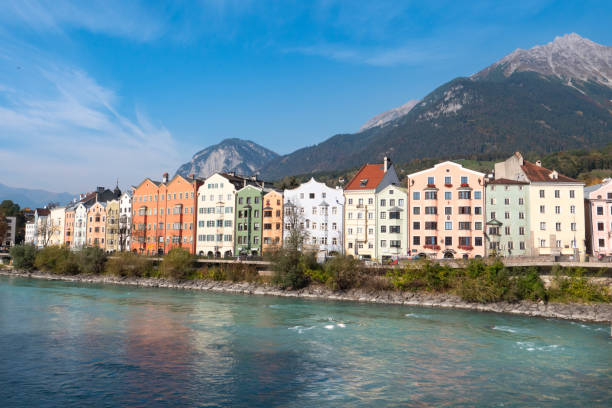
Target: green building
column 507, row 230
column 248, row 229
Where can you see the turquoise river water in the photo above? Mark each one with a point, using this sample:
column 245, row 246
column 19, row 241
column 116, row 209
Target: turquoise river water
column 66, row 344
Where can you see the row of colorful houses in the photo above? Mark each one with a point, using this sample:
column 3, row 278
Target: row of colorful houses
column 447, row 211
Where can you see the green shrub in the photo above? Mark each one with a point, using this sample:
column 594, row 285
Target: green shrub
column 529, row 286
column 319, row 275
column 425, row 276
column 56, row 259
column 486, row 283
column 345, row 272
column 570, row 285
column 91, row 260
column 289, row 269
column 216, row 273
column 177, row 264
column 128, row 264
column 24, row 256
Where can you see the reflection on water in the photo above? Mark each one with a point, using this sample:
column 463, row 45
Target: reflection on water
column 65, row 344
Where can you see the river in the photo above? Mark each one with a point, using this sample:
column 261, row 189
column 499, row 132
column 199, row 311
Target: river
column 68, row 344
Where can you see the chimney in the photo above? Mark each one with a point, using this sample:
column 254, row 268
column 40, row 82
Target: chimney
column 263, row 184
column 192, row 176
column 100, row 189
column 386, row 161
column 539, row 163
column 245, row 180
column 165, row 178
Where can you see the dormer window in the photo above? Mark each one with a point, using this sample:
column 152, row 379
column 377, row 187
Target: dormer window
column 363, row 182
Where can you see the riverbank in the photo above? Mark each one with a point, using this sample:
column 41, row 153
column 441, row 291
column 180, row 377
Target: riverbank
column 596, row 312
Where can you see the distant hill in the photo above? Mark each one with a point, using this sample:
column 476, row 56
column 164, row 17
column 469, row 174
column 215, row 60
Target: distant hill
column 32, row 198
column 241, row 156
column 546, row 99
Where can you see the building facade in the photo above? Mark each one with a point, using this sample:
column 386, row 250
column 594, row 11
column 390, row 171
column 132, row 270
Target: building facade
column 447, row 212
column 8, row 240
column 164, row 215
column 360, row 227
column 96, row 225
column 56, row 225
column 321, row 209
column 598, row 211
column 112, row 225
column 69, row 225
column 556, row 207
column 125, row 221
column 507, row 228
column 272, row 232
column 216, row 213
column 249, row 218
column 392, row 221
column 80, row 226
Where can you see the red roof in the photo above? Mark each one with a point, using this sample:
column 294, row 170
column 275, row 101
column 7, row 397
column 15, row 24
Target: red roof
column 542, row 174
column 367, row 178
column 506, row 181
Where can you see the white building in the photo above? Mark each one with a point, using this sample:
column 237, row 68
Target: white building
column 322, row 210
column 80, row 226
column 36, row 230
column 125, row 220
column 216, row 213
column 30, row 233
column 9, row 238
column 55, row 226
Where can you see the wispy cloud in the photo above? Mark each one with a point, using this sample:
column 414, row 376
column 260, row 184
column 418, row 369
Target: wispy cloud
column 67, row 132
column 128, row 19
column 374, row 56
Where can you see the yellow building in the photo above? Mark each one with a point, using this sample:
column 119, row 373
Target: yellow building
column 112, row 225
column 556, row 207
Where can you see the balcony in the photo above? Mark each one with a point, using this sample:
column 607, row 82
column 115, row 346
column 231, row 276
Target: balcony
column 431, row 246
column 466, row 247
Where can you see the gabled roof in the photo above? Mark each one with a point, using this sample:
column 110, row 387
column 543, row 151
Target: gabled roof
column 367, row 178
column 507, row 181
column 541, row 174
column 445, row 163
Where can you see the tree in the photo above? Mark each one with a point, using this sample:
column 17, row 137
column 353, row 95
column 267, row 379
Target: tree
column 294, row 223
column 3, row 227
column 46, row 230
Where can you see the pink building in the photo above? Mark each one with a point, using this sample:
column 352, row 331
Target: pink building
column 446, row 212
column 598, row 212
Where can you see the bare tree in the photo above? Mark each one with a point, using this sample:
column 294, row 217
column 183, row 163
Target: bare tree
column 297, row 235
column 46, row 231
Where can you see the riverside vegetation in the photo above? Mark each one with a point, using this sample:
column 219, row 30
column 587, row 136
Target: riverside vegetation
column 478, row 281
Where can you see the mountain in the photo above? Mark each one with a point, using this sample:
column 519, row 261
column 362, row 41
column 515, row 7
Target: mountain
column 386, row 117
column 546, row 99
column 27, row 198
column 237, row 155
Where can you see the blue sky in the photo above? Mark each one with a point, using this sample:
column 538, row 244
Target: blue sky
column 92, row 91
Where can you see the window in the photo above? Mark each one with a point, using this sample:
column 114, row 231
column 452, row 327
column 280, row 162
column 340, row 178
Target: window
column 465, row 241
column 431, row 240
column 573, row 226
column 478, row 226
column 311, row 195
column 602, row 242
column 477, row 241
column 557, row 209
column 477, row 210
column 541, row 193
column 383, row 228
column 572, row 194
column 370, row 201
column 431, row 210
column 448, row 225
column 521, row 230
column 383, row 203
column 542, row 209
column 558, row 226
column 521, row 216
column 465, row 195
column 448, row 241
column 416, row 210
column 394, row 215
column 447, row 180
column 572, row 209
column 431, row 195
column 383, row 243
column 600, row 226
column 431, row 225
column 448, row 195
column 542, row 243
column 383, row 215
column 492, row 215
column 465, row 210
column 507, row 230
column 477, row 195
column 465, row 225
column 431, row 180
column 507, row 215
column 600, row 211
column 400, row 202
column 416, row 195
column 558, row 243
column 448, row 210
column 416, row 240
column 416, row 225
column 464, row 180
column 557, row 193
column 521, row 201
column 394, row 229
column 542, row 226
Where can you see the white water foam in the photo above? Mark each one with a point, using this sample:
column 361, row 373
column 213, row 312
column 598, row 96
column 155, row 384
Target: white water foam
column 329, row 326
column 530, row 346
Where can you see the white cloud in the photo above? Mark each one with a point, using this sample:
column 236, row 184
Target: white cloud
column 68, row 134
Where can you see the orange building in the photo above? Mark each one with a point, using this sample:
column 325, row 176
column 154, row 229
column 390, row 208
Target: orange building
column 164, row 215
column 69, row 226
column 96, row 225
column 272, row 233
